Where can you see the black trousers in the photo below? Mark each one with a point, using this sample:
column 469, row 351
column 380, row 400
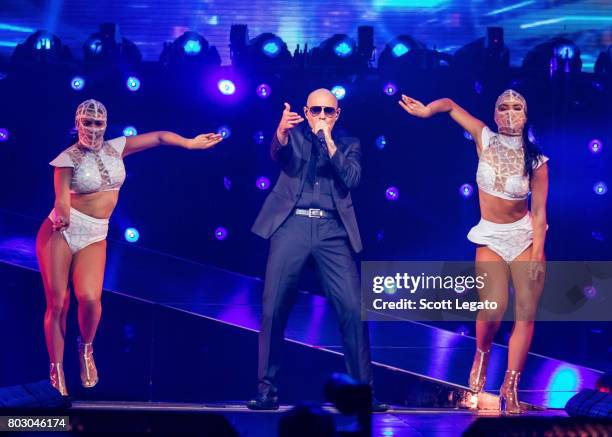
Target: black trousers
column 290, row 246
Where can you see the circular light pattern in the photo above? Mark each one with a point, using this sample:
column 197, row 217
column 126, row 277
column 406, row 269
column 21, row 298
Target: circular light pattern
column 192, row 47
column 259, row 137
column 263, row 91
column 131, row 235
column 263, row 183
column 564, row 51
column 339, row 92
column 343, row 49
column 590, row 292
column 392, row 193
column 466, row 190
column 271, row 48
column 130, row 131
column 478, row 87
column 600, row 188
column 467, row 136
column 4, row 134
column 595, row 146
column 390, row 89
column 381, row 142
column 599, row 236
column 225, row 132
column 221, row 233
column 133, row 83
column 400, row 49
column 380, row 235
column 77, row 83
column 227, row 183
column 226, row 87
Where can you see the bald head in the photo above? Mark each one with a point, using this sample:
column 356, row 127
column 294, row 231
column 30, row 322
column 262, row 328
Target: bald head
column 321, row 99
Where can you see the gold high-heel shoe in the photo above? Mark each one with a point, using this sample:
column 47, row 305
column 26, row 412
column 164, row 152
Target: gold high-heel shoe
column 56, row 375
column 478, row 374
column 508, row 393
column 89, row 372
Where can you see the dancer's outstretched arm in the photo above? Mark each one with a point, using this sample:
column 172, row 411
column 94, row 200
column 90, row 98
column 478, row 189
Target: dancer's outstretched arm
column 466, row 120
column 142, row 142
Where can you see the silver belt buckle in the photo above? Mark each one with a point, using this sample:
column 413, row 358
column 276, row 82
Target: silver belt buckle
column 314, row 213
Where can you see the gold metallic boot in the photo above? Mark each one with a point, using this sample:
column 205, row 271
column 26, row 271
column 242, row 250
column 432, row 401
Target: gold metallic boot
column 89, row 373
column 508, row 395
column 56, row 375
column 478, row 374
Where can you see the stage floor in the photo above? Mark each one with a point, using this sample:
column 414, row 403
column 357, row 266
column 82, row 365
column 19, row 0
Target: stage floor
column 397, row 422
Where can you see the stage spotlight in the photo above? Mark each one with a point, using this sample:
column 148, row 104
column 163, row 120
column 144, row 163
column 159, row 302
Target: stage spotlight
column 224, row 131
column 4, row 134
column 468, row 136
column 392, row 193
column 221, row 233
column 339, row 91
column 131, row 235
column 390, row 89
column 263, row 91
column 381, row 142
column 226, row 86
column 405, row 51
column 132, row 83
column 264, row 51
column 557, row 55
column 488, row 53
column 597, row 235
column 42, row 47
column 595, row 146
column 263, row 183
column 600, row 188
column 466, row 190
column 77, row 83
column 340, row 51
column 130, row 131
column 259, row 137
column 107, row 46
column 190, row 48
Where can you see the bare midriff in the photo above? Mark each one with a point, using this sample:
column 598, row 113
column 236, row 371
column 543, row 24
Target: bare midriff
column 498, row 210
column 98, row 205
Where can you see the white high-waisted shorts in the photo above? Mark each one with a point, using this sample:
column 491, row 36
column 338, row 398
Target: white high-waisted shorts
column 83, row 230
column 508, row 240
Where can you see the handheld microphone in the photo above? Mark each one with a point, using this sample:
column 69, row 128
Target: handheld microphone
column 321, row 136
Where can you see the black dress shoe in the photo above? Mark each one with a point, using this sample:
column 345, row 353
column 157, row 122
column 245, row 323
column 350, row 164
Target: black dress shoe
column 264, row 401
column 379, row 407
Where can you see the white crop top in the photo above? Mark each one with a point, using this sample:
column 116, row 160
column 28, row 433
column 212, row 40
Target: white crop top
column 94, row 171
column 501, row 166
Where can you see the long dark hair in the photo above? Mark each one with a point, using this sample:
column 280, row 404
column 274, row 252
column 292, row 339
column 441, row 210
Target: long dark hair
column 533, row 154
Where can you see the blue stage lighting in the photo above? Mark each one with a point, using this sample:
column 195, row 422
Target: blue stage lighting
column 131, row 235
column 133, row 83
column 339, row 91
column 226, row 87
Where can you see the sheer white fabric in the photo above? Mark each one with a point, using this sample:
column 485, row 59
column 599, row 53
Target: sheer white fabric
column 501, row 168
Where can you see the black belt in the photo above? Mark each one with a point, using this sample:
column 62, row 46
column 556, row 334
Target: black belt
column 314, row 213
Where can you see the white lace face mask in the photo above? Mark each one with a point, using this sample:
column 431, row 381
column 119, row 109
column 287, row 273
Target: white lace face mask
column 90, row 122
column 510, row 113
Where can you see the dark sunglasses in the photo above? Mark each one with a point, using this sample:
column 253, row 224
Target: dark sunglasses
column 328, row 110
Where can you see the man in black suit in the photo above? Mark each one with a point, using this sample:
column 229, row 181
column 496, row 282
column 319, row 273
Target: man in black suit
column 310, row 213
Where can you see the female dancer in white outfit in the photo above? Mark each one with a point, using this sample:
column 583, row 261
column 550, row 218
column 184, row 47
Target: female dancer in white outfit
column 509, row 238
column 71, row 243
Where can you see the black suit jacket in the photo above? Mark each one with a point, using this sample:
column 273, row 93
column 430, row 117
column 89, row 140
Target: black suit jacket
column 293, row 159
